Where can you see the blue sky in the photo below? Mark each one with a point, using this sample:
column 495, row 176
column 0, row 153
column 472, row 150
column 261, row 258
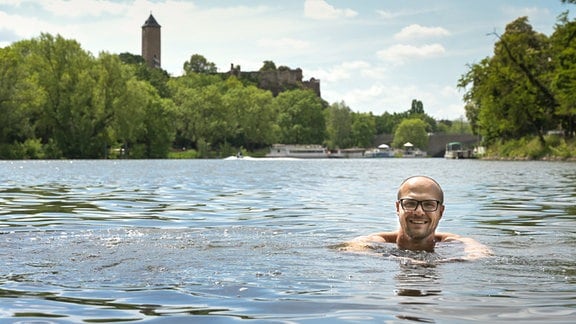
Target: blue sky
column 374, row 55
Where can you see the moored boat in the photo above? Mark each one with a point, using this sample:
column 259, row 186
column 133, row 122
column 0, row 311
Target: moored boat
column 349, row 153
column 298, row 151
column 456, row 150
column 382, row 151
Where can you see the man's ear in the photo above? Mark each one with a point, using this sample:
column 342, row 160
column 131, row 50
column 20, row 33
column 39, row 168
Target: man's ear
column 397, row 207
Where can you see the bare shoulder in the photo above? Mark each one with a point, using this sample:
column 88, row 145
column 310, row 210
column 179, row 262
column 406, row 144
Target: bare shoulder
column 447, row 237
column 473, row 249
column 362, row 243
column 382, row 237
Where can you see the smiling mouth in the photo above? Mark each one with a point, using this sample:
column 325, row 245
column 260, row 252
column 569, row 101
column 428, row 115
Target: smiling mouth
column 418, row 221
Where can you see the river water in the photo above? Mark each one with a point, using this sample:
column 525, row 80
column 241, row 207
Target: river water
column 255, row 240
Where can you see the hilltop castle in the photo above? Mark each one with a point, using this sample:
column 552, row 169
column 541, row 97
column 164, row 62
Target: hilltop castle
column 276, row 81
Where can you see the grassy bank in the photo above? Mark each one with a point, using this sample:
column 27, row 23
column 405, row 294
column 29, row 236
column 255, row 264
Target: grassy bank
column 555, row 148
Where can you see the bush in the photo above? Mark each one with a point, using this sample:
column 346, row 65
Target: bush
column 532, row 149
column 137, row 151
column 563, row 151
column 52, row 151
column 184, row 154
column 32, row 149
column 11, row 152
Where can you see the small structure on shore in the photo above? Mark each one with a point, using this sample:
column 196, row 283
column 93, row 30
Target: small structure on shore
column 409, row 151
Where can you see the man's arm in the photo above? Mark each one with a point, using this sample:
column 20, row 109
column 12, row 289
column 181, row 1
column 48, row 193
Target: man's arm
column 473, row 249
column 362, row 243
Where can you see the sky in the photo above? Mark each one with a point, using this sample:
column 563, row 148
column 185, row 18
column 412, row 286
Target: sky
column 372, row 55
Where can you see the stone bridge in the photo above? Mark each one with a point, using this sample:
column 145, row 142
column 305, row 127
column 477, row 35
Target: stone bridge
column 436, row 142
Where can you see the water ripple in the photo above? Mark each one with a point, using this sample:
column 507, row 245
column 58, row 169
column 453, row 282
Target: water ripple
column 138, row 240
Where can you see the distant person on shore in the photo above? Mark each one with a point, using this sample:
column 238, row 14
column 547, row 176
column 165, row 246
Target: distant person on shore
column 420, row 206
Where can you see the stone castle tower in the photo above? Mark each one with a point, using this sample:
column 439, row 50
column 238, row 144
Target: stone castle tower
column 151, row 43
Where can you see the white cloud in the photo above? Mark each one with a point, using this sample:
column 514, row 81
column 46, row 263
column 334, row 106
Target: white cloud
column 401, row 53
column 366, row 94
column 284, row 43
column 538, row 16
column 387, row 14
column 417, row 31
column 441, row 102
column 81, row 8
column 331, row 75
column 339, row 72
column 409, row 11
column 531, row 12
column 24, row 27
column 376, row 73
column 379, row 98
column 320, row 9
column 449, row 91
column 13, row 3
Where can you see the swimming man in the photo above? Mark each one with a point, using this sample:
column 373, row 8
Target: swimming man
column 420, row 206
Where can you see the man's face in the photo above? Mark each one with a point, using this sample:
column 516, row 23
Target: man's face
column 419, row 223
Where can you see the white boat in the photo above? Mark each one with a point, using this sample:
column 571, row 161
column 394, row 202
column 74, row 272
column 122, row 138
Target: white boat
column 455, row 150
column 382, row 151
column 298, row 151
column 377, row 153
column 349, row 153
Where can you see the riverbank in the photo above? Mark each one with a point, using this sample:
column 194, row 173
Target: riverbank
column 554, row 148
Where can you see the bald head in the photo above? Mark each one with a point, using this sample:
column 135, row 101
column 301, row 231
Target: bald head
column 421, row 184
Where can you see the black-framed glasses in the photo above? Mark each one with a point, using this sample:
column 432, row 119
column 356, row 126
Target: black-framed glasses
column 428, row 205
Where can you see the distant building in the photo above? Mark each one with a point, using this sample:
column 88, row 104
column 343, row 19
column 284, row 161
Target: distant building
column 151, row 42
column 278, row 80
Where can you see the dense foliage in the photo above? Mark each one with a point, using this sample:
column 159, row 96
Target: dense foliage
column 526, row 89
column 59, row 101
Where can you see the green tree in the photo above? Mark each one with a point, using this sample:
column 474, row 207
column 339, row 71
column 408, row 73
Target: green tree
column 186, row 99
column 199, row 64
column 69, row 116
column 155, row 76
column 363, row 129
column 416, row 108
column 159, row 134
column 459, row 126
column 387, row 122
column 339, row 125
column 413, row 131
column 128, row 125
column 110, row 86
column 131, row 59
column 21, row 98
column 417, row 111
column 211, row 124
column 143, row 124
column 564, row 78
column 300, row 117
column 158, row 78
column 507, row 95
column 192, row 114
column 268, row 66
column 253, row 115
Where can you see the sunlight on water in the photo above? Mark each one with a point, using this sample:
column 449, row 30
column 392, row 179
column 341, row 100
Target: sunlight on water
column 258, row 239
